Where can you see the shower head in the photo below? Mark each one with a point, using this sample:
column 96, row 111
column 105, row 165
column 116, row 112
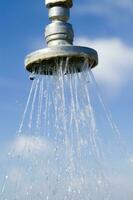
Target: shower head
column 59, row 36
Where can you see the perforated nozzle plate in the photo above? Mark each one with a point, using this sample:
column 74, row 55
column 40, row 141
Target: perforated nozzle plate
column 43, row 61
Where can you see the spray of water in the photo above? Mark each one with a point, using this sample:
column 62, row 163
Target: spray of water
column 60, row 153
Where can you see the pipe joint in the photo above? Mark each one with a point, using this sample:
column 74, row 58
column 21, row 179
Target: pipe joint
column 59, row 13
column 59, row 32
column 64, row 3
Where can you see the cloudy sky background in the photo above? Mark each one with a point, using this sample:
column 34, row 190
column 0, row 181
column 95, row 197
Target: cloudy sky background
column 105, row 25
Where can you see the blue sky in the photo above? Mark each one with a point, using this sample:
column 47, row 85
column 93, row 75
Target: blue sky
column 105, row 25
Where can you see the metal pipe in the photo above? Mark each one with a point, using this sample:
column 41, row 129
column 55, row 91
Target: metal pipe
column 59, row 32
column 59, row 36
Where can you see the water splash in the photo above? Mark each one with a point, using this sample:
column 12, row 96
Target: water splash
column 63, row 152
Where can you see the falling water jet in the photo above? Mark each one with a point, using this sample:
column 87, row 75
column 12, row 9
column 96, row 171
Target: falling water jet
column 59, row 59
column 59, row 36
column 62, row 146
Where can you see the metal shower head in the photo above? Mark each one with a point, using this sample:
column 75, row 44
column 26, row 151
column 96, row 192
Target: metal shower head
column 59, row 36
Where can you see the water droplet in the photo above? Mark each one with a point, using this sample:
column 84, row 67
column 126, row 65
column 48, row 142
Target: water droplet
column 6, row 176
column 32, row 76
column 54, row 192
column 79, row 191
column 99, row 182
column 69, row 189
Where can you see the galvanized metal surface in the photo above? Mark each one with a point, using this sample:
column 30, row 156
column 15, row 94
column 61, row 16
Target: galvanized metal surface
column 59, row 36
column 43, row 58
column 59, row 32
column 59, row 13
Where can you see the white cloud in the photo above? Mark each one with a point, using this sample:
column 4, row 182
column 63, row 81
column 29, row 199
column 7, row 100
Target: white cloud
column 115, row 62
column 118, row 10
column 15, row 174
column 126, row 4
column 34, row 180
column 31, row 145
column 131, row 161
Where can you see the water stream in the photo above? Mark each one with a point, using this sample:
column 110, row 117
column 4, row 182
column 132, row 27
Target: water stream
column 64, row 149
